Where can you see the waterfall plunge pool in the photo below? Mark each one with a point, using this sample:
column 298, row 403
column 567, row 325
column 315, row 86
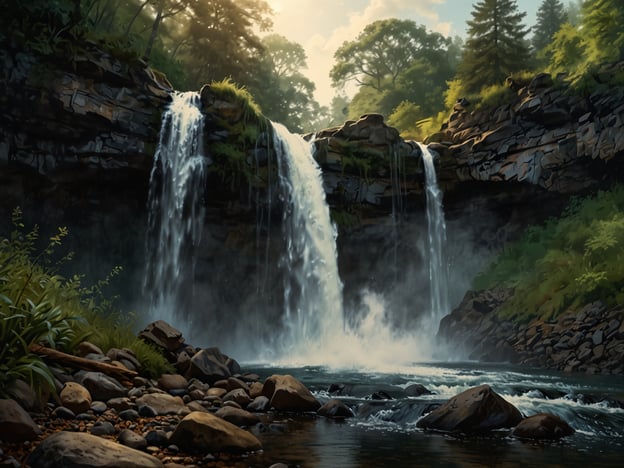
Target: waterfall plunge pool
column 383, row 433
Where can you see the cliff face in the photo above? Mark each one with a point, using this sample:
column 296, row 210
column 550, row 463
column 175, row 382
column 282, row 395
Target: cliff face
column 77, row 139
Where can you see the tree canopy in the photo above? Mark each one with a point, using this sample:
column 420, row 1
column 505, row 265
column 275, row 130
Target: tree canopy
column 496, row 45
column 550, row 16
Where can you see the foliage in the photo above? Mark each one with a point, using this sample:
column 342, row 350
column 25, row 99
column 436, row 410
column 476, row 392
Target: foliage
column 229, row 91
column 285, row 94
column 550, row 16
column 496, row 45
column 392, row 61
column 565, row 263
column 39, row 306
column 602, row 28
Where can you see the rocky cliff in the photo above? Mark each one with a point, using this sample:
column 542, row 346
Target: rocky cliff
column 78, row 135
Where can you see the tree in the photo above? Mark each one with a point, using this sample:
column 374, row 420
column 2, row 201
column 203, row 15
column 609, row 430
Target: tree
column 282, row 91
column 602, row 22
column 381, row 52
column 550, row 16
column 392, row 61
column 222, row 39
column 566, row 52
column 496, row 45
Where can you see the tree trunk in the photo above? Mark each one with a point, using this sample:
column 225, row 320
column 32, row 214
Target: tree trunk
column 154, row 33
column 120, row 373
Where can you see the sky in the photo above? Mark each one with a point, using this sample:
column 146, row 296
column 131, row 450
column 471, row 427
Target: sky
column 321, row 26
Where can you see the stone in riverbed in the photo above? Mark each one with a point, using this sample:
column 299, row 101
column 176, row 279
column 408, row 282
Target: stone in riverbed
column 477, row 409
column 16, row 425
column 163, row 335
column 542, row 426
column 206, row 432
column 162, row 403
column 75, row 449
column 211, row 365
column 335, row 409
column 289, row 394
column 101, row 386
column 132, row 439
column 238, row 417
column 75, row 397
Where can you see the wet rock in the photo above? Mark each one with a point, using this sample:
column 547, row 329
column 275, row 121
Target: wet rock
column 206, row 432
column 157, row 437
column 210, row 365
column 16, row 425
column 260, row 404
column 75, row 449
column 335, row 409
column 286, row 393
column 75, row 397
column 101, row 386
column 477, row 409
column 542, row 426
column 239, row 396
column 132, row 439
column 129, row 415
column 161, row 403
column 86, row 347
column 169, row 382
column 416, row 390
column 238, row 417
column 61, row 412
column 255, row 389
column 101, row 428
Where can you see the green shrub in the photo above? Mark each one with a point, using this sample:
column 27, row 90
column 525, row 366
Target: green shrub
column 39, row 306
column 566, row 262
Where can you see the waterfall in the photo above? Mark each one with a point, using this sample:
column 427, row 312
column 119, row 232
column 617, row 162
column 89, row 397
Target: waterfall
column 175, row 209
column 313, row 315
column 436, row 229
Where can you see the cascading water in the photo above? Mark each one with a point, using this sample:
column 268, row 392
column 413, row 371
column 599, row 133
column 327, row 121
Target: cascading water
column 438, row 275
column 313, row 291
column 175, row 209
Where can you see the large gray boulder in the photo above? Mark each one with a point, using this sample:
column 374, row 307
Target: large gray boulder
column 211, row 365
column 16, row 425
column 161, row 403
column 101, row 386
column 289, row 394
column 477, row 409
column 205, row 432
column 81, row 450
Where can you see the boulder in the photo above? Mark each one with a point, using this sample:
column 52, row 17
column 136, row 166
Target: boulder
column 208, row 433
column 239, row 396
column 76, row 449
column 132, row 439
column 161, row 403
column 75, row 397
column 210, row 365
column 238, row 417
column 101, row 386
column 542, row 426
column 286, row 393
column 16, row 425
column 477, row 409
column 260, row 404
column 172, row 382
column 335, row 409
column 163, row 335
column 415, row 390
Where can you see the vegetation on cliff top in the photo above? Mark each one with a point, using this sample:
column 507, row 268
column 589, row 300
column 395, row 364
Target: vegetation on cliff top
column 566, row 263
column 39, row 306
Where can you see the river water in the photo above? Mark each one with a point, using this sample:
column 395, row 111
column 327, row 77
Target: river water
column 384, row 434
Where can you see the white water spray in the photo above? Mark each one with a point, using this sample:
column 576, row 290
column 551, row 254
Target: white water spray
column 313, row 315
column 175, row 211
column 438, row 275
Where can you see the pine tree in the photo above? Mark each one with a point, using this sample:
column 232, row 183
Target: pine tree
column 496, row 45
column 550, row 16
column 602, row 24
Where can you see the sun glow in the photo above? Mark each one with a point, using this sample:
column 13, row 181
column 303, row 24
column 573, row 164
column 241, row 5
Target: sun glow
column 276, row 5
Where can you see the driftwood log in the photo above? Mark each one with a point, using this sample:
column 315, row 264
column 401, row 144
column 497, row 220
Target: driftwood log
column 122, row 374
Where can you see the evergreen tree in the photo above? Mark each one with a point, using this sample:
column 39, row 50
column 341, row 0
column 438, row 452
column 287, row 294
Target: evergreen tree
column 550, row 16
column 496, row 45
column 602, row 22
